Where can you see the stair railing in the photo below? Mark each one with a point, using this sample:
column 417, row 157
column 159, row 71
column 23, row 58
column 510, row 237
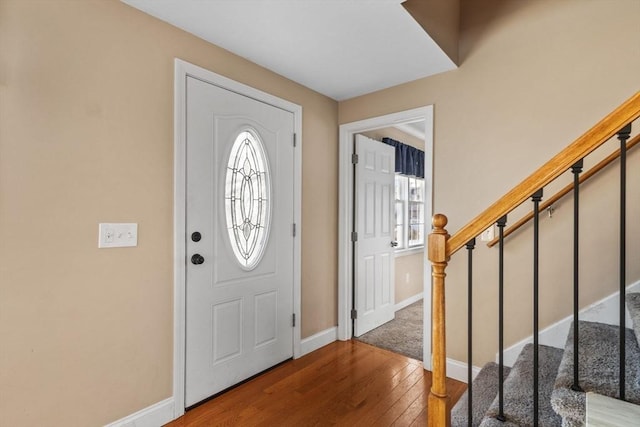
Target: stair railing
column 566, row 190
column 573, row 188
column 441, row 246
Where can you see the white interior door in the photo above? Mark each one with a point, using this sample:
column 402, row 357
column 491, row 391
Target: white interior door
column 239, row 242
column 374, row 250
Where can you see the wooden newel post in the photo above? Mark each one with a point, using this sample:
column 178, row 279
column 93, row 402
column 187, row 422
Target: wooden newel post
column 438, row 409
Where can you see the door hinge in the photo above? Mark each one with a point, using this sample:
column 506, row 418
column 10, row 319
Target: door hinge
column 354, row 236
column 294, row 229
column 354, row 314
column 295, row 140
column 354, row 158
column 293, row 320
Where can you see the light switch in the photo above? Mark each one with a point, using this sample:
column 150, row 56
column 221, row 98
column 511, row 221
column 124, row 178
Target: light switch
column 488, row 234
column 117, row 235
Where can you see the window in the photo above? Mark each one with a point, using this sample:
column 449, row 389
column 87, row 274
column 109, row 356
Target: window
column 409, row 212
column 247, row 201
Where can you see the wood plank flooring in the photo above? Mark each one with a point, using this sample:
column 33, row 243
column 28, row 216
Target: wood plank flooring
column 344, row 383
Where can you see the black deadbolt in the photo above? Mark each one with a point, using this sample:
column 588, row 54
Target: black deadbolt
column 196, row 236
column 197, row 259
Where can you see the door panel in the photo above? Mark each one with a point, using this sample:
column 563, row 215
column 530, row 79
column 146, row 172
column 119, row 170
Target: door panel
column 266, row 309
column 227, row 341
column 239, row 301
column 374, row 254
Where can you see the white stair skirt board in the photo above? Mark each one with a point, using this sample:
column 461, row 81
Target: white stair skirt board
column 603, row 311
column 316, row 341
column 152, row 416
column 458, row 370
column 409, row 301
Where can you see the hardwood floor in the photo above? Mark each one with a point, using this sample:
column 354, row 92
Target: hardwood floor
column 345, row 383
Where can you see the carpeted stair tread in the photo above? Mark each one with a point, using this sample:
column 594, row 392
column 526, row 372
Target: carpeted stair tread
column 599, row 370
column 518, row 391
column 633, row 306
column 485, row 388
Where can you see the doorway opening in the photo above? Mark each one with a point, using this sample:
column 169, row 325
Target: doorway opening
column 417, row 126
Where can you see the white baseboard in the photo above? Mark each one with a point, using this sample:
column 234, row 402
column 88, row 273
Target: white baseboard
column 409, row 301
column 603, row 311
column 458, row 370
column 318, row 340
column 155, row 415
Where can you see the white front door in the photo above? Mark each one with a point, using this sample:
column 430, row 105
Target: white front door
column 374, row 251
column 239, row 240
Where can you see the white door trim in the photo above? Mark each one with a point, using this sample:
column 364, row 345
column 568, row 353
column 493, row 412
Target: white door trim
column 183, row 69
column 345, row 213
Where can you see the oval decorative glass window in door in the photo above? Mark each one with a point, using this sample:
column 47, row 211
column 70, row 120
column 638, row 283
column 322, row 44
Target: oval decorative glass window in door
column 247, row 202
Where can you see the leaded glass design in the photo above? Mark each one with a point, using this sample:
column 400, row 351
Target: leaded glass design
column 247, row 201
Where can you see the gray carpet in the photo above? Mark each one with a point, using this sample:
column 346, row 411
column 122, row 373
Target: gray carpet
column 485, row 389
column 598, row 370
column 402, row 335
column 518, row 391
column 633, row 305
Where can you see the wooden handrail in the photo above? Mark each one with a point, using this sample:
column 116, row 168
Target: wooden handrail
column 585, row 144
column 585, row 176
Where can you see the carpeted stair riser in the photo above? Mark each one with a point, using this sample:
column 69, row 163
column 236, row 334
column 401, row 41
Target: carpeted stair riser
column 485, row 388
column 633, row 306
column 599, row 370
column 518, row 391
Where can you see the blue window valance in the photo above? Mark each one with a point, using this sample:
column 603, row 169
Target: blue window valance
column 409, row 160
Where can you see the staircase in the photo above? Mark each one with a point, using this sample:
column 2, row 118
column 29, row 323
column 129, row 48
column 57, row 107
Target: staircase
column 559, row 404
column 546, row 386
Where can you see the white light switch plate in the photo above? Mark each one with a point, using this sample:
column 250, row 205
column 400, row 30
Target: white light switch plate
column 488, row 234
column 117, row 235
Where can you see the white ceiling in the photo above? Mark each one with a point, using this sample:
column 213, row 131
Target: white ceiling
column 340, row 48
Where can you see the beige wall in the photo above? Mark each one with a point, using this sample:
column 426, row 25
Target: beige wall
column 441, row 19
column 533, row 76
column 409, row 272
column 86, row 136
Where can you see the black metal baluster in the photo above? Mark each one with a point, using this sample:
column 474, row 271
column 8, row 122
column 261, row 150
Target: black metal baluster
column 536, row 197
column 623, row 135
column 470, row 246
column 501, row 223
column 576, row 169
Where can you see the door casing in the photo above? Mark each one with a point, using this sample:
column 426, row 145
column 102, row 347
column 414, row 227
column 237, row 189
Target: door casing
column 346, row 208
column 182, row 69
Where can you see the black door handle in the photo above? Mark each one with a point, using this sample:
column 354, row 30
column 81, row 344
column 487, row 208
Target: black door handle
column 197, row 259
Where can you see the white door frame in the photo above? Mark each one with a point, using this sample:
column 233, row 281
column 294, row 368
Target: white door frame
column 182, row 70
column 345, row 214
